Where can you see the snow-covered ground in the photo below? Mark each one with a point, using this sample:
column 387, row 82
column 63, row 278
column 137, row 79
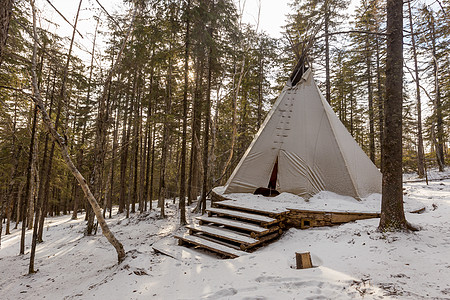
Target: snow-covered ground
column 352, row 260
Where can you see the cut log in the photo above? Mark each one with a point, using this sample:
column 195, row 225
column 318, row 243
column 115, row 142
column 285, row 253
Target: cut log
column 303, row 260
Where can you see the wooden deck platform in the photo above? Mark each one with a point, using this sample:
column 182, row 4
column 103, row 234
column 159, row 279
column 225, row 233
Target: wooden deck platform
column 246, row 225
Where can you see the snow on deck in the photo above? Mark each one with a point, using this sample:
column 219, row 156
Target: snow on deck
column 321, row 202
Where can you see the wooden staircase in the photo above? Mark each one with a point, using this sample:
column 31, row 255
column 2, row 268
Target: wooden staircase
column 233, row 230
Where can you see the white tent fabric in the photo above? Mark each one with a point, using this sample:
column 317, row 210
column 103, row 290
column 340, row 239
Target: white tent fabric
column 312, row 148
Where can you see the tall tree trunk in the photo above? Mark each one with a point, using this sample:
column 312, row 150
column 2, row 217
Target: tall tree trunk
column 185, row 112
column 208, row 113
column 420, row 150
column 64, row 150
column 124, row 158
column 379, row 102
column 150, row 144
column 327, row 52
column 259, row 119
column 370, row 101
column 136, row 134
column 152, row 168
column 113, row 161
column 165, row 142
column 392, row 213
column 130, row 161
column 10, row 187
column 194, row 173
column 439, row 145
column 44, row 184
column 28, row 181
column 6, row 203
column 5, row 17
column 33, row 187
column 109, row 178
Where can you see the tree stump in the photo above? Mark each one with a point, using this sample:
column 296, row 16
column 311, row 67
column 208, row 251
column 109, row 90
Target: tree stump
column 303, row 260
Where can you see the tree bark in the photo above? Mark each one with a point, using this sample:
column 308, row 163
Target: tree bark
column 380, row 102
column 150, row 144
column 194, row 173
column 439, row 145
column 28, row 181
column 124, row 158
column 420, row 150
column 5, row 17
column 392, row 213
column 208, row 112
column 165, row 142
column 327, row 53
column 370, row 101
column 185, row 112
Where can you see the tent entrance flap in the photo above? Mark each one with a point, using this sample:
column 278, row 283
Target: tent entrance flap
column 273, row 177
column 271, row 189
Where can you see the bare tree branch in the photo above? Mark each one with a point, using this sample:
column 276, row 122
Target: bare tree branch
column 109, row 16
column 64, row 17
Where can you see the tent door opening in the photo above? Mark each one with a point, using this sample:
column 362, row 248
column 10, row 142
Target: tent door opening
column 271, row 189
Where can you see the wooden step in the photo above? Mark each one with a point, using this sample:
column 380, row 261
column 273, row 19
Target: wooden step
column 248, row 207
column 244, row 240
column 262, row 220
column 218, row 241
column 233, row 224
column 210, row 245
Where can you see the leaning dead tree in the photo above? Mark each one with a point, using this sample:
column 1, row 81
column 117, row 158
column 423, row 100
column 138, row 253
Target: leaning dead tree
column 62, row 143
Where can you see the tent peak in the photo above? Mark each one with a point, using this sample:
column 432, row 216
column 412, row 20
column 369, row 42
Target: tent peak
column 299, row 70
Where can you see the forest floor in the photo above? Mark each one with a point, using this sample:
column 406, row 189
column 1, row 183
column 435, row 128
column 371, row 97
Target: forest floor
column 352, row 260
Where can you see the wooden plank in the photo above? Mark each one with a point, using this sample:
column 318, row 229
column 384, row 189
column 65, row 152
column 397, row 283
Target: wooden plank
column 263, row 220
column 268, row 211
column 344, row 218
column 168, row 246
column 234, row 224
column 212, row 246
column 299, row 210
column 222, row 233
column 215, row 240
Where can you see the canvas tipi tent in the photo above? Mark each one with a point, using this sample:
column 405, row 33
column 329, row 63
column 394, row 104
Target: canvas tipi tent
column 303, row 148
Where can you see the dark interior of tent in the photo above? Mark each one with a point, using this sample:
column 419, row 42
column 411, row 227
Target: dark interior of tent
column 271, row 189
